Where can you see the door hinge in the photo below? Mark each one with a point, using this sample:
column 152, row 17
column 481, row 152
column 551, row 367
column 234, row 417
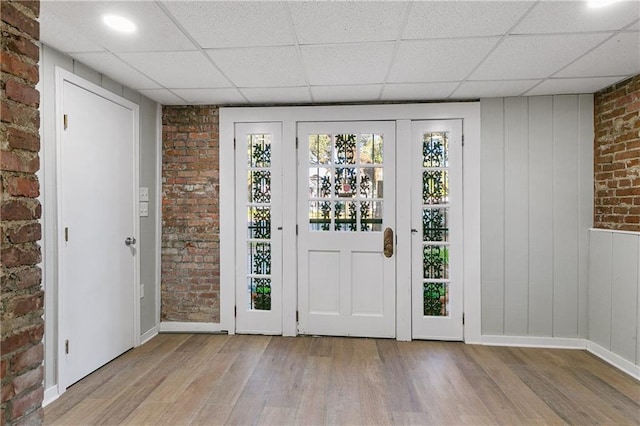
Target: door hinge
column 297, row 316
column 235, row 311
column 296, row 229
column 66, row 346
column 462, row 140
column 296, row 142
column 234, row 143
column 66, row 234
column 65, row 121
column 463, row 318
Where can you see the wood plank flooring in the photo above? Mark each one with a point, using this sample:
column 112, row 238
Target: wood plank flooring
column 200, row 379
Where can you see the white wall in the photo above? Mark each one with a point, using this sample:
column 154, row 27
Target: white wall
column 536, row 211
column 614, row 295
column 49, row 59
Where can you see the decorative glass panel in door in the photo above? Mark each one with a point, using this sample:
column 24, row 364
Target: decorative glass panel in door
column 346, row 199
column 437, row 230
column 258, row 217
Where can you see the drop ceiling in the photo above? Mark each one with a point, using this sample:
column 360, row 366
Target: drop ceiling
column 241, row 52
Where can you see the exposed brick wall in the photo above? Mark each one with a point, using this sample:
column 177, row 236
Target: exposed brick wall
column 190, row 223
column 617, row 156
column 21, row 303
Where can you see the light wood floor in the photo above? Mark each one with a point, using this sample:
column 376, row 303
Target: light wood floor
column 217, row 379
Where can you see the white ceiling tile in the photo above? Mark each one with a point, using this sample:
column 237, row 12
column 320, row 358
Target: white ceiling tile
column 260, row 66
column 163, row 96
column 155, row 32
column 562, row 86
column 216, row 24
column 114, row 68
column 635, row 27
column 521, row 57
column 55, row 33
column 417, row 91
column 211, row 96
column 438, row 60
column 440, row 19
column 277, row 95
column 346, row 22
column 355, row 93
column 177, row 70
column 492, row 89
column 347, row 64
column 577, row 16
column 618, row 56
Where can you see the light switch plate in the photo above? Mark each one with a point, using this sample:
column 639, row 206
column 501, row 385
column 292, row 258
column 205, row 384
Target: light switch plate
column 144, row 193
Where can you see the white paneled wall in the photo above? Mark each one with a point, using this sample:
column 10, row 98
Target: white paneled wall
column 536, row 211
column 614, row 293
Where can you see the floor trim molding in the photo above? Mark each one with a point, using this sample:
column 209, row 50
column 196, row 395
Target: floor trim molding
column 534, row 342
column 613, row 359
column 189, row 327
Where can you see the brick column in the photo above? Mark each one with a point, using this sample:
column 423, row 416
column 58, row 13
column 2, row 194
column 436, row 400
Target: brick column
column 21, row 306
column 190, row 223
column 617, row 156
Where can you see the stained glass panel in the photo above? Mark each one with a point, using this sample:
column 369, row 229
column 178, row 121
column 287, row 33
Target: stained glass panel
column 371, row 182
column 435, row 187
column 346, row 182
column 346, row 216
column 259, row 223
column 260, row 292
column 259, row 150
column 319, row 149
column 435, row 224
column 345, row 149
column 435, row 150
column 435, row 262
column 370, row 148
column 260, row 186
column 436, row 299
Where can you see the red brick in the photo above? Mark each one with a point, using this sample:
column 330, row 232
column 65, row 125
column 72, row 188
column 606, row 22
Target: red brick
column 24, row 278
column 29, row 402
column 21, row 255
column 19, row 20
column 28, row 380
column 29, row 359
column 20, row 209
column 26, row 304
column 17, row 66
column 22, row 93
column 14, row 161
column 22, row 46
column 25, row 233
column 32, row 5
column 7, row 392
column 19, row 139
column 23, row 186
column 21, row 339
column 21, row 115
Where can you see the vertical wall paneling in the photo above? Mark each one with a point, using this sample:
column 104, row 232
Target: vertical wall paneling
column 565, row 214
column 540, row 216
column 624, row 289
column 585, row 204
column 599, row 313
column 492, row 215
column 516, row 216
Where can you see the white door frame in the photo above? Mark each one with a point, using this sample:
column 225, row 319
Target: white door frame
column 403, row 114
column 62, row 76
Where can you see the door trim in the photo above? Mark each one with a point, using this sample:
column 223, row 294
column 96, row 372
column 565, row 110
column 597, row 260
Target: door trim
column 469, row 112
column 62, row 76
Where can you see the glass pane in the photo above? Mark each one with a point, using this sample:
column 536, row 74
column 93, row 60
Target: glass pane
column 346, row 216
column 435, row 224
column 346, row 182
column 259, row 186
column 371, row 182
column 370, row 147
column 319, row 182
column 259, row 223
column 259, row 258
column 436, row 299
column 435, row 187
column 435, row 262
column 319, row 149
column 371, row 216
column 345, row 149
column 319, row 216
column 260, row 294
column 259, row 150
column 435, row 150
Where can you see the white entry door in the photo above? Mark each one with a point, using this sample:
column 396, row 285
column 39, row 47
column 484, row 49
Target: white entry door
column 258, row 228
column 436, row 222
column 346, row 207
column 97, row 181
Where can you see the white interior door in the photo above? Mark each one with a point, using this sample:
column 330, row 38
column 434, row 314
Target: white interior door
column 258, row 228
column 346, row 201
column 436, row 222
column 97, row 163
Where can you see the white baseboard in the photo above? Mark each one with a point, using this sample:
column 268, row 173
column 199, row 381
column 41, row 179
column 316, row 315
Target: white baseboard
column 149, row 335
column 535, row 342
column 613, row 359
column 50, row 395
column 189, row 327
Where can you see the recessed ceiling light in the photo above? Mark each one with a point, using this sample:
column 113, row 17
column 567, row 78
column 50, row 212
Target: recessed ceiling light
column 600, row 3
column 119, row 23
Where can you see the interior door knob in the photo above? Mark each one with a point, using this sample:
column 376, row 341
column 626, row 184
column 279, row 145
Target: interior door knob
column 129, row 241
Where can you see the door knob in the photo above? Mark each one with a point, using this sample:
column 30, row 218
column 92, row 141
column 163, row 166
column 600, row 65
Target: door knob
column 388, row 242
column 129, row 241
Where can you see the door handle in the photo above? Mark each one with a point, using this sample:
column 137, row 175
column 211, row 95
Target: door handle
column 129, row 241
column 388, row 242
